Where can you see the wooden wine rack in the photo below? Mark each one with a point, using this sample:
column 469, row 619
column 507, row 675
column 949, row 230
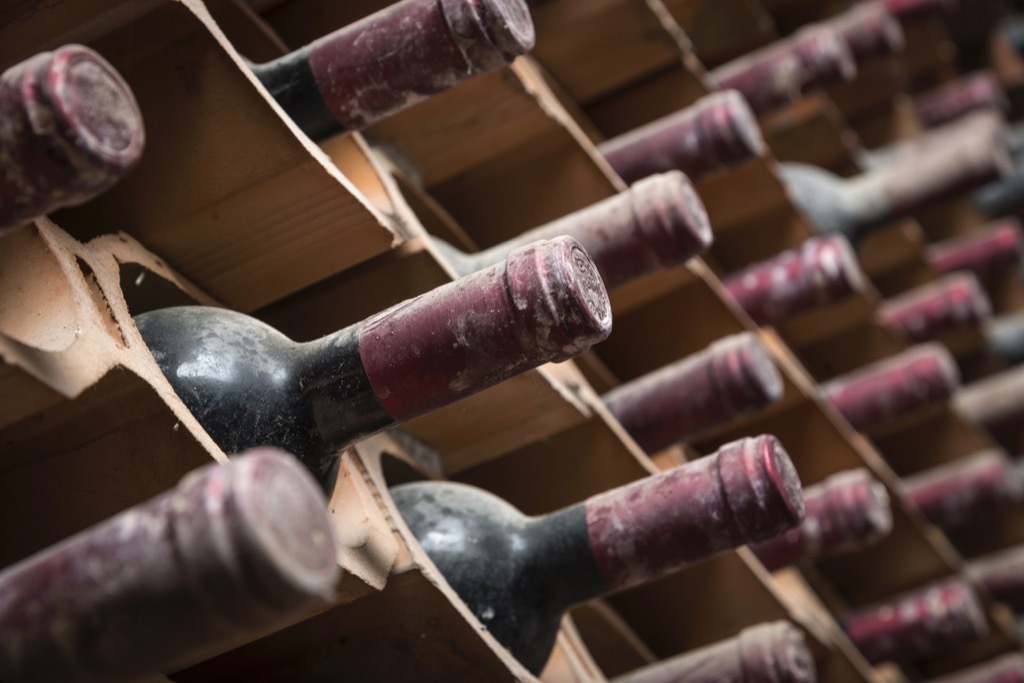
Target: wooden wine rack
column 233, row 205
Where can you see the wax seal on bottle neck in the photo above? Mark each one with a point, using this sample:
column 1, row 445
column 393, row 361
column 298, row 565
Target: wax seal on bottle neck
column 674, row 221
column 825, row 56
column 745, row 372
column 560, row 296
column 758, row 475
column 729, row 129
column 490, row 33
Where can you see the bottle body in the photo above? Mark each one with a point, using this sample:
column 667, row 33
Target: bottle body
column 519, row 574
column 390, row 60
column 249, row 385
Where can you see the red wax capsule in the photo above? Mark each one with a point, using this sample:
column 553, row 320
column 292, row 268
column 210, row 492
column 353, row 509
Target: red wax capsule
column 233, row 552
column 732, row 377
column 952, row 303
column 820, row 271
column 996, row 249
column 894, row 386
column 919, row 624
column 70, row 129
column 716, row 133
column 980, row 90
column 966, row 489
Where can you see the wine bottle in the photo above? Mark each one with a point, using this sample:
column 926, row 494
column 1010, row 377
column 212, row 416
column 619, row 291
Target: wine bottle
column 979, row 90
column 393, row 59
column 821, row 271
column 954, row 302
column 918, row 624
column 233, row 552
column 248, row 385
column 519, row 574
column 994, row 401
column 1002, row 575
column 785, row 71
column 965, row 490
column 71, row 129
column 716, row 133
column 963, row 155
column 658, row 223
column 846, row 512
column 870, row 31
column 895, row 386
column 767, row 653
column 1004, row 337
column 735, row 376
column 995, row 249
column 1005, row 669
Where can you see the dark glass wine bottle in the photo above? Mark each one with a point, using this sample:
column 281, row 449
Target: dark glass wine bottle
column 821, row 271
column 954, row 302
column 233, row 552
column 922, row 623
column 766, row 653
column 979, row 90
column 519, row 574
column 249, row 385
column 995, row 249
column 659, row 222
column 785, row 71
column 965, row 490
column 735, row 376
column 895, row 386
column 716, row 133
column 937, row 167
column 846, row 512
column 393, row 59
column 1005, row 669
column 70, row 129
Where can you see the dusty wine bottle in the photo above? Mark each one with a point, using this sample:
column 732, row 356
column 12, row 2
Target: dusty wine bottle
column 735, row 376
column 979, row 90
column 951, row 303
column 997, row 248
column 895, row 386
column 1002, row 198
column 785, row 71
column 248, row 385
column 1002, row 575
column 716, row 133
column 766, row 653
column 519, row 574
column 1005, row 669
column 961, row 156
column 233, row 552
column 918, row 624
column 821, row 271
column 71, row 129
column 966, row 490
column 658, row 223
column 870, row 31
column 846, row 512
column 393, row 59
